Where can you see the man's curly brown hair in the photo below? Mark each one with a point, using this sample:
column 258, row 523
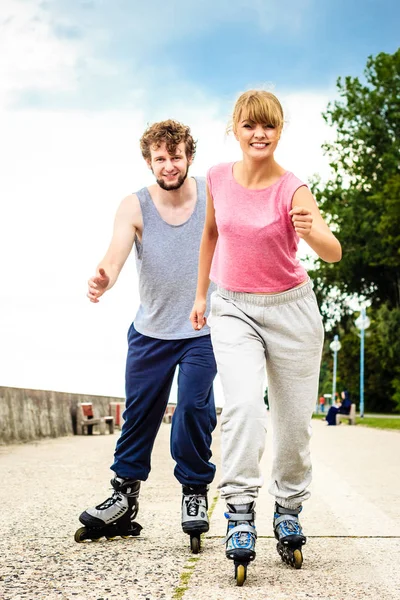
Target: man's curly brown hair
column 170, row 132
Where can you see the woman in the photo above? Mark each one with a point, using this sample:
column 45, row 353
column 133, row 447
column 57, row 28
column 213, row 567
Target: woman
column 264, row 313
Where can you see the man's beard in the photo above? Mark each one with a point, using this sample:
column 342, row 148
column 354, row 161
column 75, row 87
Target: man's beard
column 173, row 186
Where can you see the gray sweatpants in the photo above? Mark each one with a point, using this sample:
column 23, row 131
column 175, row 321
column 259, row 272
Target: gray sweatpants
column 283, row 333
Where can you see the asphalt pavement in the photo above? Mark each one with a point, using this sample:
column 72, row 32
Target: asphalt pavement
column 352, row 522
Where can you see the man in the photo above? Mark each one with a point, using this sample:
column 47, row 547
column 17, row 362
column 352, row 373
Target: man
column 165, row 223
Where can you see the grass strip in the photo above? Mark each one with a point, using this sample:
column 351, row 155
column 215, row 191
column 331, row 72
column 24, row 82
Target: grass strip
column 375, row 422
column 379, row 422
column 191, row 563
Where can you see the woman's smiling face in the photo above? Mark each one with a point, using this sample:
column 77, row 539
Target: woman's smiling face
column 257, row 140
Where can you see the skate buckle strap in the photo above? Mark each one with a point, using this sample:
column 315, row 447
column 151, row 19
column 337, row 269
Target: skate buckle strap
column 127, row 487
column 285, row 518
column 238, row 529
column 282, row 510
column 240, row 516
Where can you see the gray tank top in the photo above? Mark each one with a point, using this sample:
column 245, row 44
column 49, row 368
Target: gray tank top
column 166, row 262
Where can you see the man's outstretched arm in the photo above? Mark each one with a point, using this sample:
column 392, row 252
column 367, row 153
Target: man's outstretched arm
column 127, row 220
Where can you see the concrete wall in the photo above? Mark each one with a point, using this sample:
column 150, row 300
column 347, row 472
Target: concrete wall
column 27, row 415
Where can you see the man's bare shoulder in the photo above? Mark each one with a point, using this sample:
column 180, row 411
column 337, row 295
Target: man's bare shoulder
column 130, row 210
column 131, row 201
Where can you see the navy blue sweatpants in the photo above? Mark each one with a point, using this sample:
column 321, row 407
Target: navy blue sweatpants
column 150, row 368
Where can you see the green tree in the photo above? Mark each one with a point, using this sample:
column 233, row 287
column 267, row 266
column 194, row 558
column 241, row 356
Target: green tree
column 361, row 202
column 266, row 397
column 325, row 374
column 362, row 198
column 382, row 365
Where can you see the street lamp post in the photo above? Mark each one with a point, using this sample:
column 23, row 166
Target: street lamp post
column 335, row 347
column 362, row 323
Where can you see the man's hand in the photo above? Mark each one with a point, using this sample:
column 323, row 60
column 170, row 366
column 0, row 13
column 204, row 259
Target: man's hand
column 302, row 220
column 197, row 318
column 97, row 285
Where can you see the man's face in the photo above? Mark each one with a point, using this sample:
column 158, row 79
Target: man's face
column 170, row 170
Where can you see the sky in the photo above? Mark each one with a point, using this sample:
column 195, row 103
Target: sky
column 79, row 83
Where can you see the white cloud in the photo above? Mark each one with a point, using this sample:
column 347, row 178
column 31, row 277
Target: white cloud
column 96, row 54
column 63, row 177
column 158, row 21
column 288, row 15
column 304, row 133
column 65, row 172
column 31, row 55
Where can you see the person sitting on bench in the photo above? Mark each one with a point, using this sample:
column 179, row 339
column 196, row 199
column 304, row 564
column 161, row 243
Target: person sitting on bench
column 343, row 408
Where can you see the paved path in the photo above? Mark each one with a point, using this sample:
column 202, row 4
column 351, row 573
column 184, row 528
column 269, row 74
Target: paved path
column 352, row 522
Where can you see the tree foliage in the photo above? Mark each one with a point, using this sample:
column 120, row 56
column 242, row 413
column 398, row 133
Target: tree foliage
column 361, row 202
column 381, row 358
column 362, row 198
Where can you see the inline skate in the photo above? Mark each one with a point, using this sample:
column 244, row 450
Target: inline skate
column 241, row 538
column 194, row 514
column 288, row 532
column 113, row 517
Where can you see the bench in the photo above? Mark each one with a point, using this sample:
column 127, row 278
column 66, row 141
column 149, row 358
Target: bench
column 169, row 411
column 85, row 420
column 116, row 409
column 351, row 417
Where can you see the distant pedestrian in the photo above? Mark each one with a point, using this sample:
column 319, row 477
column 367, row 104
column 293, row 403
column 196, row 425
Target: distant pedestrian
column 322, row 404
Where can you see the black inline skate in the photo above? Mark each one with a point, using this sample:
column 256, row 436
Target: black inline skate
column 113, row 517
column 288, row 532
column 241, row 538
column 194, row 514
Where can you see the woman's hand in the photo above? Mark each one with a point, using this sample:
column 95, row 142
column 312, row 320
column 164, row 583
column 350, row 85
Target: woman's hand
column 197, row 318
column 302, row 220
column 309, row 225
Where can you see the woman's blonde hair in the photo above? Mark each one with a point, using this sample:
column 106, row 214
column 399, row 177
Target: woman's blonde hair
column 259, row 106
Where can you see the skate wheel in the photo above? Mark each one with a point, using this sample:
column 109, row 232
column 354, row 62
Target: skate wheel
column 195, row 544
column 298, row 559
column 135, row 529
column 240, row 575
column 125, row 537
column 109, row 538
column 79, row 536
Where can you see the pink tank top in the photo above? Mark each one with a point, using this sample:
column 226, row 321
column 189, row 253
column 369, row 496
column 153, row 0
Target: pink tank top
column 257, row 244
